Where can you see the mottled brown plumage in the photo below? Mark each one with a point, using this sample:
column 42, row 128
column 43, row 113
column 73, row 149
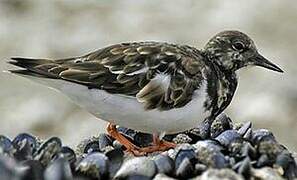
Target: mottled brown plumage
column 129, row 68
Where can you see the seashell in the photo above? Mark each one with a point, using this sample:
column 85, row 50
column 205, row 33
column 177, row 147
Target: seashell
column 137, row 177
column 287, row 163
column 243, row 167
column 117, row 145
column 172, row 153
column 264, row 160
column 59, row 169
column 209, row 144
column 143, row 166
column 202, row 131
column 200, row 168
column 270, row 147
column 211, row 157
column 8, row 169
column 142, row 139
column 248, row 134
column 25, row 145
column 266, row 173
column 259, row 134
column 6, row 146
column 48, row 150
column 94, row 165
column 92, row 146
column 243, row 129
column 185, row 153
column 248, row 150
column 169, row 137
column 227, row 137
column 164, row 164
column 128, row 133
column 69, row 155
column 116, row 158
column 218, row 174
column 104, row 141
column 185, row 169
column 220, row 124
column 33, row 170
column 163, row 177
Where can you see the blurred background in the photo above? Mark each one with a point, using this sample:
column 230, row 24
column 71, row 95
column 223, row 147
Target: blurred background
column 58, row 29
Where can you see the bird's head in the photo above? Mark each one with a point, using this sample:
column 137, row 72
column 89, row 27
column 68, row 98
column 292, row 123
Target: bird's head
column 232, row 50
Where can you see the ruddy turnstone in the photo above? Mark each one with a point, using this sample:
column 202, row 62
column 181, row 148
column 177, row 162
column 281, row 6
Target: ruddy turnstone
column 152, row 87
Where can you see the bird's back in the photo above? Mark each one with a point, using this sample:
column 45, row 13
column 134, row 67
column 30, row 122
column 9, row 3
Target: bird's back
column 160, row 75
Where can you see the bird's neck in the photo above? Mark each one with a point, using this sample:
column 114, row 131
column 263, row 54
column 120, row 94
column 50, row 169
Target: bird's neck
column 226, row 85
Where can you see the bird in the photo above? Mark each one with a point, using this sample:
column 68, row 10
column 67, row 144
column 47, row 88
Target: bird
column 149, row 86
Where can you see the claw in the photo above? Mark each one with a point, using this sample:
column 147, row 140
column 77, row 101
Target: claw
column 158, row 145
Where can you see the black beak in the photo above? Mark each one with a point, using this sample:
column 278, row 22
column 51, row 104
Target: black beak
column 259, row 60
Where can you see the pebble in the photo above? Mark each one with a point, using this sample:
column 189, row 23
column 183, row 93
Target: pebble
column 222, row 150
column 143, row 166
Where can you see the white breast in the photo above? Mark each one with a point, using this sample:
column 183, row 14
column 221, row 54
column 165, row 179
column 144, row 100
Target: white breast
column 126, row 111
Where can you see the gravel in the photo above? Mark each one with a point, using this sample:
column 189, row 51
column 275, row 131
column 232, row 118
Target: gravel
column 221, row 150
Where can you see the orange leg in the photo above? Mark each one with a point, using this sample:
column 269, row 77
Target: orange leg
column 158, row 145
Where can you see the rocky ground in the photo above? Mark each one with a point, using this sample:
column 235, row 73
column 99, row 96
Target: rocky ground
column 222, row 150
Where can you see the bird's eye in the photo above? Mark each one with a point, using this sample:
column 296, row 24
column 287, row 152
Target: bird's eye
column 238, row 46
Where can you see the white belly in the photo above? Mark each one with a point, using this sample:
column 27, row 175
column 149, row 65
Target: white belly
column 128, row 112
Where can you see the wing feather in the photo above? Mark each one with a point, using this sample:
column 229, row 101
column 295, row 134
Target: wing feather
column 160, row 75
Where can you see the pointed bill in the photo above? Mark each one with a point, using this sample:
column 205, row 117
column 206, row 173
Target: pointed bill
column 259, row 60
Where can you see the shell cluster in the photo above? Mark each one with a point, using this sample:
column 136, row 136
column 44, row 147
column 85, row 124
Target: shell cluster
column 220, row 150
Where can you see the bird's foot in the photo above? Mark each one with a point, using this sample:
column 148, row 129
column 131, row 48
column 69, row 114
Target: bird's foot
column 158, row 145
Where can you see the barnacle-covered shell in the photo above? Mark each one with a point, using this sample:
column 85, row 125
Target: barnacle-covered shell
column 94, row 165
column 48, row 150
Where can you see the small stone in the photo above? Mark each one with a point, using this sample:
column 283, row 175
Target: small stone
column 185, row 169
column 117, row 145
column 25, row 145
column 244, row 167
column 103, row 141
column 220, row 174
column 259, row 134
column 266, row 173
column 143, row 166
column 200, row 168
column 69, row 154
column 94, row 165
column 163, row 177
column 8, row 169
column 116, row 158
column 264, row 160
column 185, row 153
column 164, row 164
column 142, row 139
column 58, row 170
column 6, row 146
column 33, row 170
column 92, row 146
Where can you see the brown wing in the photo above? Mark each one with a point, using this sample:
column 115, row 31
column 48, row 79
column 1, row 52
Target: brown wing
column 160, row 75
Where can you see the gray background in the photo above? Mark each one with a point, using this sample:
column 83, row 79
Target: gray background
column 57, row 29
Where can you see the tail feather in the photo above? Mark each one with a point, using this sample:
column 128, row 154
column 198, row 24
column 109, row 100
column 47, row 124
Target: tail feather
column 24, row 72
column 31, row 67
